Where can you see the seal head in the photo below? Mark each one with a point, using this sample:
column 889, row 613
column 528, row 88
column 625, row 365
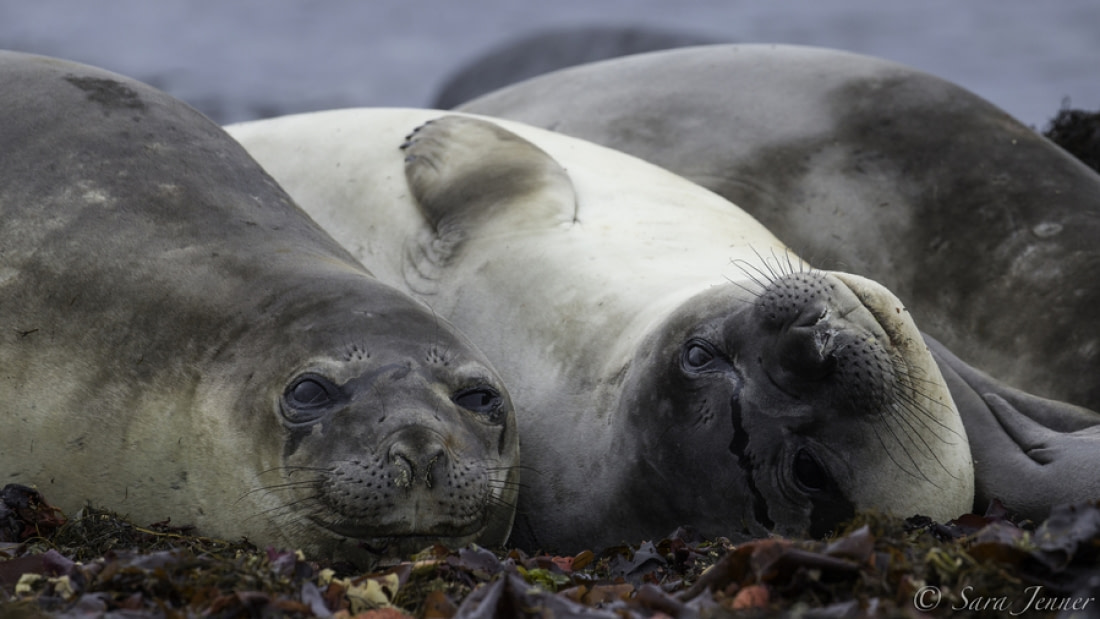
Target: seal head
column 665, row 373
column 179, row 340
column 983, row 226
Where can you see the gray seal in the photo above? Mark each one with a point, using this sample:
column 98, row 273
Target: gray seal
column 179, row 340
column 671, row 361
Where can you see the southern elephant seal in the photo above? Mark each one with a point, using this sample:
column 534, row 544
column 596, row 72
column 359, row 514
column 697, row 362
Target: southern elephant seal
column 549, row 49
column 671, row 361
column 180, row 340
column 1029, row 452
column 986, row 229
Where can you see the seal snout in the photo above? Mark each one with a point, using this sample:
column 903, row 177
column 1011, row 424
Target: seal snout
column 824, row 338
column 414, row 462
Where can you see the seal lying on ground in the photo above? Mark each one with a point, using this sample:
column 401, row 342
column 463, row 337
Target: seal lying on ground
column 548, row 49
column 671, row 362
column 180, row 340
column 984, row 227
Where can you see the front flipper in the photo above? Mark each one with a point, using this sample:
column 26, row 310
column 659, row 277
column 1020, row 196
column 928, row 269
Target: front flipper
column 466, row 173
column 1029, row 452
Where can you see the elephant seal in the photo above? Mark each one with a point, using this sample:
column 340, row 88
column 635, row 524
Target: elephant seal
column 550, row 49
column 984, row 227
column 671, row 362
column 180, row 340
column 1030, row 453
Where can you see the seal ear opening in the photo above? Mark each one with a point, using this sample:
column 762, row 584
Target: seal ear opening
column 466, row 172
column 1031, row 453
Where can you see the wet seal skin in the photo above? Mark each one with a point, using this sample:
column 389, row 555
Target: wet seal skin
column 179, row 340
column 671, row 361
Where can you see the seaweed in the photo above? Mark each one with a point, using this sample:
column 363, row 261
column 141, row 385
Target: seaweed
column 99, row 564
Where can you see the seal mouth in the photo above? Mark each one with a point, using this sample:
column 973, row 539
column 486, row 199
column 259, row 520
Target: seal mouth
column 372, row 535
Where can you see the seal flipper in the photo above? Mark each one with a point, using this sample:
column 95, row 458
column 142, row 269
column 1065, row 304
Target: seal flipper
column 466, row 172
column 1029, row 452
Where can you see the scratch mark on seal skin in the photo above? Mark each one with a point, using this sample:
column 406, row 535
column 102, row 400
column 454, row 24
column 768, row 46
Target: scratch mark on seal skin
column 739, row 447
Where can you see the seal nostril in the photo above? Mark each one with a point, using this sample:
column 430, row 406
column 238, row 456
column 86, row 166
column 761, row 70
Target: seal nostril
column 413, row 463
column 798, row 308
column 807, row 354
column 812, row 314
column 402, row 471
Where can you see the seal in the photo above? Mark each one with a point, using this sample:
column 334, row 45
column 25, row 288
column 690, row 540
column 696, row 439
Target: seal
column 549, row 49
column 181, row 341
column 1030, row 453
column 658, row 344
column 984, row 227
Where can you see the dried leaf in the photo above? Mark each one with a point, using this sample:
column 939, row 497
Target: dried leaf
column 752, row 596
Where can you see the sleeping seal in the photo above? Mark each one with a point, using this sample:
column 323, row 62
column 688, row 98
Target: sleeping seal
column 180, row 340
column 540, row 51
column 985, row 228
column 671, row 362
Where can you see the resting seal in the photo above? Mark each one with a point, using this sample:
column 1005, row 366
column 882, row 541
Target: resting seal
column 549, row 49
column 984, row 227
column 671, row 362
column 180, row 340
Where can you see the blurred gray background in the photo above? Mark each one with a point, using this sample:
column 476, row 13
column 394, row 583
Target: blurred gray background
column 241, row 59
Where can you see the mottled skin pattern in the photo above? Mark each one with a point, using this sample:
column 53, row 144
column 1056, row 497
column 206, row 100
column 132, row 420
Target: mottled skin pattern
column 980, row 224
column 179, row 340
column 671, row 363
column 986, row 229
column 550, row 49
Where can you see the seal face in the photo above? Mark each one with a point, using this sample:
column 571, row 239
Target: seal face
column 181, row 341
column 659, row 343
column 878, row 168
column 985, row 228
column 395, row 451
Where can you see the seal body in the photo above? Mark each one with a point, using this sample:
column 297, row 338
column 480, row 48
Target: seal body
column 181, row 341
column 671, row 362
column 550, row 49
column 985, row 228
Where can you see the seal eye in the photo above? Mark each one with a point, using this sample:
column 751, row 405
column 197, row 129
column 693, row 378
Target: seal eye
column 309, row 393
column 482, row 399
column 307, row 397
column 700, row 356
column 808, row 472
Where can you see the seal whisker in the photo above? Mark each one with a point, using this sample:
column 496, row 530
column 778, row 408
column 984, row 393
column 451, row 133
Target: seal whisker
column 305, row 483
column 912, row 419
column 284, row 509
column 923, row 415
column 505, row 484
column 777, row 272
column 779, row 262
column 917, row 396
column 912, row 431
column 287, row 485
column 906, row 422
column 751, row 271
column 903, row 445
column 754, row 293
column 761, row 351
